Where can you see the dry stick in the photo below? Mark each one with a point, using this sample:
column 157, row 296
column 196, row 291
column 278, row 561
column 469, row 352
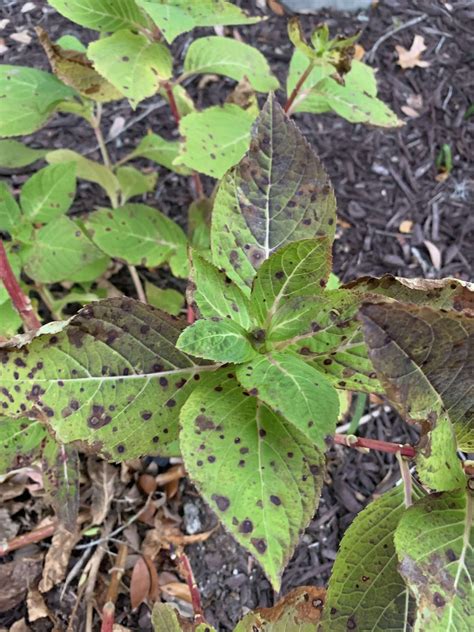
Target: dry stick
column 108, row 611
column 406, row 478
column 298, row 87
column 187, row 571
column 21, row 302
column 351, row 441
column 29, row 538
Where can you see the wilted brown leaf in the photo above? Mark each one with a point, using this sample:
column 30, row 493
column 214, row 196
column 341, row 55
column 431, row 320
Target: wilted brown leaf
column 103, row 476
column 411, row 58
column 37, row 609
column 20, row 626
column 179, row 590
column 16, row 577
column 57, row 558
column 406, row 226
column 144, row 585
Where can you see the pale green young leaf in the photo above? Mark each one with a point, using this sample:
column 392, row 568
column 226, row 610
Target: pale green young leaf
column 298, row 269
column 297, row 391
column 219, row 340
column 306, row 101
column 111, row 378
column 28, row 97
column 215, row 139
column 168, row 300
column 10, row 320
column 20, row 441
column 10, row 214
column 101, row 15
column 365, row 590
column 231, row 58
column 70, row 42
column 60, row 465
column 259, row 473
column 164, row 618
column 199, row 224
column 277, row 194
column 216, row 295
column 139, row 235
column 132, row 63
column 424, row 360
column 88, row 170
column 60, row 249
column 49, row 193
column 297, row 38
column 437, row 463
column 91, row 271
column 174, row 17
column 435, row 544
column 14, row 154
column 133, row 182
column 159, row 150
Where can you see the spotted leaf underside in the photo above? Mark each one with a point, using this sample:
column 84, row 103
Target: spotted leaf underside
column 259, row 473
column 278, row 193
column 112, row 379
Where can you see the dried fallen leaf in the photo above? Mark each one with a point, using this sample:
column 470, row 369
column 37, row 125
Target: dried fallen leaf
column 177, row 590
column 174, row 473
column 435, row 254
column 442, row 176
column 411, row 58
column 20, row 626
column 3, row 23
column 57, row 558
column 15, row 577
column 103, row 476
column 406, row 226
column 37, row 609
column 359, row 52
column 144, row 585
column 21, row 37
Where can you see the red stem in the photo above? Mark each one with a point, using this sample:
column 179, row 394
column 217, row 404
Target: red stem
column 375, row 444
column 173, row 105
column 28, row 538
column 298, row 86
column 187, row 571
column 21, row 302
column 108, row 617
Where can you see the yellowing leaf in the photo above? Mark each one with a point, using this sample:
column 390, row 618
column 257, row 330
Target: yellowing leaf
column 412, row 58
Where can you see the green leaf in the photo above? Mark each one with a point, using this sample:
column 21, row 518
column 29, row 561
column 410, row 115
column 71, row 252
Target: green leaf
column 101, row 15
column 179, row 16
column 216, row 295
column 28, row 97
column 297, row 38
column 133, row 64
column 434, row 543
column 424, row 359
column 159, row 150
column 306, row 101
column 88, row 170
column 60, row 249
column 49, row 193
column 365, row 590
column 61, row 475
column 14, row 154
column 139, row 235
column 199, row 224
column 220, row 340
column 295, row 390
column 215, row 139
column 183, row 101
column 14, row 260
column 10, row 321
column 298, row 269
column 437, row 463
column 277, row 194
column 134, row 182
column 20, row 441
column 110, row 378
column 168, row 300
column 231, row 58
column 70, row 42
column 261, row 475
column 10, row 214
column 164, row 618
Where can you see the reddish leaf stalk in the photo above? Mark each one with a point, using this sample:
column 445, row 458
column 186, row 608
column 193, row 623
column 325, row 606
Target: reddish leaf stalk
column 108, row 617
column 29, row 538
column 21, row 302
column 187, row 571
column 374, row 444
column 298, row 87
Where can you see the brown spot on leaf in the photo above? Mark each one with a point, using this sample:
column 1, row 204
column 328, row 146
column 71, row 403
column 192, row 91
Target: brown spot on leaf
column 246, row 526
column 259, row 544
column 222, row 502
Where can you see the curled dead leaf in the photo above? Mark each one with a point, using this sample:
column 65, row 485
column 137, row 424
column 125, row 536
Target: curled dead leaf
column 57, row 558
column 411, row 58
column 178, row 590
column 144, row 585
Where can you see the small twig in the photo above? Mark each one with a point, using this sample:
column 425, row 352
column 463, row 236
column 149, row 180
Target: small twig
column 29, row 538
column 187, row 572
column 298, row 87
column 406, row 478
column 137, row 283
column 351, row 441
column 99, row 136
column 371, row 53
column 20, row 301
column 116, row 573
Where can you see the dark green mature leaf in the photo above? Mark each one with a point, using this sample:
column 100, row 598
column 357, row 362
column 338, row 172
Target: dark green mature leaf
column 220, row 340
column 132, row 63
column 174, row 17
column 10, row 214
column 20, row 442
column 49, row 193
column 366, row 591
column 28, row 97
column 231, row 58
column 295, row 390
column 111, row 378
column 61, row 481
column 59, row 251
column 216, row 295
column 215, row 139
column 434, row 543
column 14, row 154
column 261, row 475
column 168, row 300
column 159, row 150
column 140, row 235
column 425, row 361
column 298, row 269
column 101, row 15
column 10, row 320
column 277, row 194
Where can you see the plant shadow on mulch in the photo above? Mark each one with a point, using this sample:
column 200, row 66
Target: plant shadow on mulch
column 381, row 178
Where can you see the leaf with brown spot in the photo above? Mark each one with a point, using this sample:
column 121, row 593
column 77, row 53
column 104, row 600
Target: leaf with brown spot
column 259, row 473
column 425, row 360
column 267, row 200
column 60, row 466
column 20, row 442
